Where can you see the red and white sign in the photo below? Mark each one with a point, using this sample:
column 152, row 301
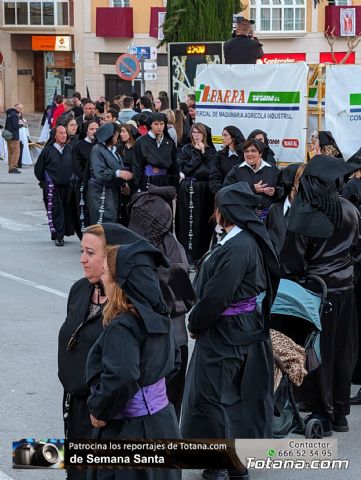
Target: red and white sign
column 326, row 57
column 127, row 67
column 282, row 58
column 290, row 143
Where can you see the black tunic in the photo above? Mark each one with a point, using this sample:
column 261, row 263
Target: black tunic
column 132, row 358
column 148, row 153
column 54, row 172
column 104, row 187
column 276, row 224
column 229, row 384
column 222, row 164
column 268, row 174
column 195, row 202
column 71, row 363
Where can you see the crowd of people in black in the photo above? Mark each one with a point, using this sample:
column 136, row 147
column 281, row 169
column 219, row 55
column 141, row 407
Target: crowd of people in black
column 242, row 223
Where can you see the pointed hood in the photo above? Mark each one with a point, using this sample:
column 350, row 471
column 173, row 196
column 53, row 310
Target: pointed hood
column 136, row 270
column 117, row 234
column 105, row 132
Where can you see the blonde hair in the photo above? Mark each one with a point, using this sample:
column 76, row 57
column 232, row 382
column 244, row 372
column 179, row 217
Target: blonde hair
column 202, row 129
column 118, row 302
column 170, row 116
column 329, row 150
column 96, row 230
column 296, row 182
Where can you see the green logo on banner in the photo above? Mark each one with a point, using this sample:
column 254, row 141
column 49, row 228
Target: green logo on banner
column 355, row 99
column 274, row 97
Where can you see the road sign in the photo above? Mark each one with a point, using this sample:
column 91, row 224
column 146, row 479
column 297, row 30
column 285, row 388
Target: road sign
column 150, row 66
column 127, row 67
column 150, row 76
column 148, row 53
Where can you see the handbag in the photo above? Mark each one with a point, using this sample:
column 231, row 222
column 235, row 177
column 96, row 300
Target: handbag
column 7, row 135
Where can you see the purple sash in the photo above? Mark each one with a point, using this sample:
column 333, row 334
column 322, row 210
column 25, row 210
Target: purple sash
column 147, row 401
column 244, row 306
column 152, row 171
column 262, row 214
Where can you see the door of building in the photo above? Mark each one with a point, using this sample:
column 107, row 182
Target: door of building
column 115, row 86
column 39, row 82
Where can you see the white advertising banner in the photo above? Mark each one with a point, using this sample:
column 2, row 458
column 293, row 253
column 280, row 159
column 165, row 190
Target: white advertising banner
column 272, row 98
column 343, row 106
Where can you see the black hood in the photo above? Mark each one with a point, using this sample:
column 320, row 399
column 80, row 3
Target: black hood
column 150, row 213
column 11, row 110
column 288, row 175
column 105, row 132
column 354, row 162
column 136, row 271
column 326, row 138
column 326, row 168
column 238, row 203
column 316, row 210
column 116, row 234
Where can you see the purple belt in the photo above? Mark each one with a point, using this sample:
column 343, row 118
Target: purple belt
column 262, row 214
column 243, row 306
column 147, row 401
column 151, row 171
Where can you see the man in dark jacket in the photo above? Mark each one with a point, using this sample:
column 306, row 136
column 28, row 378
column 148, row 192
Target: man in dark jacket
column 243, row 48
column 12, row 124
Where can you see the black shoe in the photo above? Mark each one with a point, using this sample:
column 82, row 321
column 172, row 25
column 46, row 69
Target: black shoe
column 243, row 475
column 340, row 424
column 210, row 474
column 59, row 242
column 14, row 170
column 356, row 400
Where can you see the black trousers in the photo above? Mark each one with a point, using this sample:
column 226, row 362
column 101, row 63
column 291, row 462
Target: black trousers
column 327, row 389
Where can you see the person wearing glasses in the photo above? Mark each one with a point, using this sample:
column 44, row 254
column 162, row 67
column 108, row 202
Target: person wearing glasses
column 82, row 327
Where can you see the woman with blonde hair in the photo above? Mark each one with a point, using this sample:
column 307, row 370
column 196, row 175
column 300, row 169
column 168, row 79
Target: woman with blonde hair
column 128, row 365
column 171, row 127
column 195, row 200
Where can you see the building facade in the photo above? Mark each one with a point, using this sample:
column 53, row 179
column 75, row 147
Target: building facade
column 71, row 45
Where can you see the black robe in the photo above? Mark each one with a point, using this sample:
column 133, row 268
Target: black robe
column 195, row 202
column 222, row 164
column 328, row 388
column 164, row 157
column 133, row 358
column 270, row 175
column 276, row 224
column 81, row 167
column 229, row 383
column 127, row 155
column 104, row 187
column 54, row 172
column 71, row 364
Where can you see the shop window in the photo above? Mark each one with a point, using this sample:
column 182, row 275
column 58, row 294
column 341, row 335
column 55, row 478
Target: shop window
column 47, row 13
column 9, row 13
column 278, row 16
column 119, row 3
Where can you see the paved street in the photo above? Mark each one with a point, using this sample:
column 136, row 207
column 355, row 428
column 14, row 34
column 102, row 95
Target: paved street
column 35, row 277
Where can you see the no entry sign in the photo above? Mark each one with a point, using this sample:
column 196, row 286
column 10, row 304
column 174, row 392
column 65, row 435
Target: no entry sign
column 127, row 67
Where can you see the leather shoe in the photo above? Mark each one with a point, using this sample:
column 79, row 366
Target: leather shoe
column 340, row 424
column 14, row 170
column 356, row 400
column 59, row 242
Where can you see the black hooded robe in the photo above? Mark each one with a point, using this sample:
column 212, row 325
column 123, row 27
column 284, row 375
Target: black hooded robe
column 222, row 164
column 133, row 352
column 195, row 202
column 229, row 383
column 71, row 363
column 104, row 187
column 54, row 172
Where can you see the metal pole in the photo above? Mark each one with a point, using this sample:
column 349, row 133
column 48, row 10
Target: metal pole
column 142, row 89
column 319, row 96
